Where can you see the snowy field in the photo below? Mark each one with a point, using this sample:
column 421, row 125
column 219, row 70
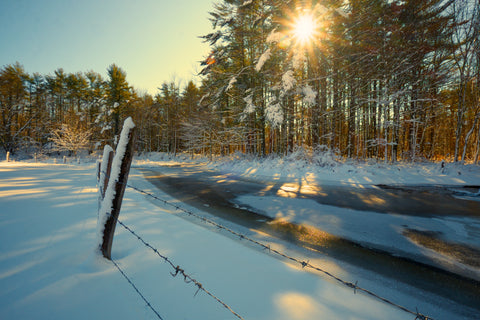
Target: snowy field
column 49, row 268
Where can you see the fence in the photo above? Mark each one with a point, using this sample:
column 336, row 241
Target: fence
column 118, row 178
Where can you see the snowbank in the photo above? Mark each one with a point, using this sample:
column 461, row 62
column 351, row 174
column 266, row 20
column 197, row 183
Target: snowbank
column 323, row 168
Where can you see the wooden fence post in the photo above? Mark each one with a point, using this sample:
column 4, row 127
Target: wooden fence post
column 125, row 160
column 8, row 156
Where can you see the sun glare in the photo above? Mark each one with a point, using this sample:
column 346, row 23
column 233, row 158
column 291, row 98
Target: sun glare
column 304, row 28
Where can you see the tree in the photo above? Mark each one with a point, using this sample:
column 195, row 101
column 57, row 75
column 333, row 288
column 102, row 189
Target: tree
column 12, row 95
column 118, row 95
column 72, row 139
column 466, row 63
column 171, row 113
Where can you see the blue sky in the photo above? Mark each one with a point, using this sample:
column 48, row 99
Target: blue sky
column 152, row 40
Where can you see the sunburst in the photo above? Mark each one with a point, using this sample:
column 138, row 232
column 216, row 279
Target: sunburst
column 305, row 28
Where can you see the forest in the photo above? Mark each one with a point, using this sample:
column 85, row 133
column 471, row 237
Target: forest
column 365, row 79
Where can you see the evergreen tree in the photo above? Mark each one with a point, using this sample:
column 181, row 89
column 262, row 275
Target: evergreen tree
column 12, row 94
column 118, row 95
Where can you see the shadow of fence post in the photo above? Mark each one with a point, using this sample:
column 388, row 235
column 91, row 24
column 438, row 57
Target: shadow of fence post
column 124, row 159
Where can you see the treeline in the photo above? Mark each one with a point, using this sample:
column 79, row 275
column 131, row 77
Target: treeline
column 381, row 79
column 74, row 112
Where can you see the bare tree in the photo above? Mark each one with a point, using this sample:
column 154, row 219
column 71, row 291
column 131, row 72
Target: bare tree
column 71, row 139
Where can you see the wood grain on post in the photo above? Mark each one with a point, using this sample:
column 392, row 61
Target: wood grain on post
column 120, row 185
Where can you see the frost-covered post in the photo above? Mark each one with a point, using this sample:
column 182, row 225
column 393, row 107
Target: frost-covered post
column 110, row 208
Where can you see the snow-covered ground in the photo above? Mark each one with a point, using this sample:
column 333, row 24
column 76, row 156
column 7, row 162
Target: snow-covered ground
column 325, row 169
column 49, row 268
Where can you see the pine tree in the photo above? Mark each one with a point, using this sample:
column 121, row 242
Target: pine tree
column 12, row 94
column 118, row 95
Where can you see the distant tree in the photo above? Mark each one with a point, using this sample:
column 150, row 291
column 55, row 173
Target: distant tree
column 95, row 99
column 56, row 85
column 12, row 102
column 190, row 98
column 76, row 87
column 118, row 94
column 170, row 115
column 467, row 35
column 38, row 131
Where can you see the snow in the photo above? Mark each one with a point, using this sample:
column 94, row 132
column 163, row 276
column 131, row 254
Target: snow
column 50, row 270
column 274, row 37
column 250, row 107
column 309, row 95
column 298, row 59
column 107, row 203
column 103, row 170
column 274, row 114
column 105, row 128
column 288, row 80
column 323, row 167
column 263, row 58
column 375, row 230
column 383, row 231
column 232, row 81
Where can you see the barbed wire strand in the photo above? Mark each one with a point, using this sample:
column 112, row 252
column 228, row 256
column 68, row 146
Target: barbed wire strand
column 136, row 289
column 304, row 264
column 178, row 270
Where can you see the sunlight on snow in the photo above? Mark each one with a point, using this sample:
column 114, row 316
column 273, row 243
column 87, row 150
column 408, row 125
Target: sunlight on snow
column 87, row 190
column 26, row 183
column 372, row 199
column 21, row 252
column 21, row 192
column 298, row 306
column 20, row 268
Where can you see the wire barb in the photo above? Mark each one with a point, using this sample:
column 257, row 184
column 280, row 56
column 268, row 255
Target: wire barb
column 420, row 316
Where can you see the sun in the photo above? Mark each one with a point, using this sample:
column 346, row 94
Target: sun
column 304, row 28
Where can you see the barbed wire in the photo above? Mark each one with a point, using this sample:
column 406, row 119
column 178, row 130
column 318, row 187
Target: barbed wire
column 178, row 270
column 136, row 289
column 302, row 263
